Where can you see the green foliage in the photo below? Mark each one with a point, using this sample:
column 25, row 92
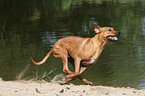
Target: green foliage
column 44, row 75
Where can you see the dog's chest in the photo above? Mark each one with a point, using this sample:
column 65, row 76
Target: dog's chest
column 94, row 57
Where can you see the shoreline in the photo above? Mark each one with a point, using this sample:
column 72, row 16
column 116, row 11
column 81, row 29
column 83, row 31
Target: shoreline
column 33, row 88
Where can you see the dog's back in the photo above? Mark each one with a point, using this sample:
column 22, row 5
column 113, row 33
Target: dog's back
column 72, row 44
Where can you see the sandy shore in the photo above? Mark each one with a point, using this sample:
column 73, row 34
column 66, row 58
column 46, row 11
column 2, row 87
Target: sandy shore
column 31, row 88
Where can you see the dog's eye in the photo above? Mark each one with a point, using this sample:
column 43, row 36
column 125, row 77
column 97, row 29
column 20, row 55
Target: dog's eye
column 109, row 29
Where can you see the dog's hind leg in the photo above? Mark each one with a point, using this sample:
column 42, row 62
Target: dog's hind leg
column 62, row 53
column 64, row 58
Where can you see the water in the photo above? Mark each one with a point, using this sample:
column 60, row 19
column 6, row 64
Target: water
column 30, row 28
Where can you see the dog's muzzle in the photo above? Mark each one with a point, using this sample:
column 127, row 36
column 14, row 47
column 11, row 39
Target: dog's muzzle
column 112, row 37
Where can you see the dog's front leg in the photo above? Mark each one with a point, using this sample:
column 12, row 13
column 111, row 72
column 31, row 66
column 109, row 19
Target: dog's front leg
column 77, row 68
column 82, row 78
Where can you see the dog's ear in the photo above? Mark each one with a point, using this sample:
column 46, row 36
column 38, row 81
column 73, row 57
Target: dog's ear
column 97, row 28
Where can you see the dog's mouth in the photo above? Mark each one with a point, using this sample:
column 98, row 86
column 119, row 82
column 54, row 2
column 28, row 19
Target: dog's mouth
column 112, row 38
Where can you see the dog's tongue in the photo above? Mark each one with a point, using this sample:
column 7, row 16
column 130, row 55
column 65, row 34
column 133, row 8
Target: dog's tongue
column 113, row 38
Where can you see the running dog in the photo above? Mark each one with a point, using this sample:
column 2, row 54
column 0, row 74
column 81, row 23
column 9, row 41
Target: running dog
column 81, row 52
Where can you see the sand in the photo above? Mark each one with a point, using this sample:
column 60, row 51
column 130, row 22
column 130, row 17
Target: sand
column 33, row 88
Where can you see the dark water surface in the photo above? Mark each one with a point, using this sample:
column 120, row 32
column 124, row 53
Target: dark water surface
column 31, row 27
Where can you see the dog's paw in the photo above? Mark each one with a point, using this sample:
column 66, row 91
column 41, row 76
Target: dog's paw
column 67, row 71
column 66, row 83
column 69, row 79
column 72, row 75
column 88, row 82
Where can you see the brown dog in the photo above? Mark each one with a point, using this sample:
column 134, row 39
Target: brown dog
column 83, row 52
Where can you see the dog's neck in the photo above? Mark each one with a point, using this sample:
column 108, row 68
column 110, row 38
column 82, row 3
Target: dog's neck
column 99, row 44
column 100, row 41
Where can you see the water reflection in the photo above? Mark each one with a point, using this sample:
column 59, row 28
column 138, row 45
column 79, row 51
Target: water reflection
column 31, row 29
column 50, row 38
column 143, row 26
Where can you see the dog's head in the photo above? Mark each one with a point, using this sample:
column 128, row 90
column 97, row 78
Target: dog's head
column 107, row 33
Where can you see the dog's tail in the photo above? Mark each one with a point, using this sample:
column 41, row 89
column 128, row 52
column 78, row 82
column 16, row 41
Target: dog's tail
column 45, row 58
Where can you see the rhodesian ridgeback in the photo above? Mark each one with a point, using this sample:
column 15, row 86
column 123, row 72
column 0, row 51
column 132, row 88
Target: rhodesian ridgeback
column 81, row 52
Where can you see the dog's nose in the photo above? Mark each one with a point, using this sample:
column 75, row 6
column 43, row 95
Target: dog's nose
column 118, row 33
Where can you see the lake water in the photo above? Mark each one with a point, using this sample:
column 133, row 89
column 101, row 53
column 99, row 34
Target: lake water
column 30, row 28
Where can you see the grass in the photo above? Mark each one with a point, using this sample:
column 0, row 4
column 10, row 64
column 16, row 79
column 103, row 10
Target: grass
column 44, row 75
